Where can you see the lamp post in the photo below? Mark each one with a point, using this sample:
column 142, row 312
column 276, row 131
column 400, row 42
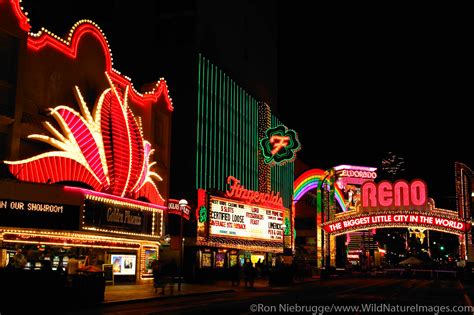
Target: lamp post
column 182, row 205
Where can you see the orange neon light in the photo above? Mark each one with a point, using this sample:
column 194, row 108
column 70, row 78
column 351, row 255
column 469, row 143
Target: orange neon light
column 279, row 142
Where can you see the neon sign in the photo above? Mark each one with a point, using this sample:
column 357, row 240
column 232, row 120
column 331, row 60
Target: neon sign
column 175, row 208
column 229, row 218
column 280, row 145
column 358, row 174
column 400, row 194
column 104, row 149
column 398, row 204
column 239, row 191
column 451, row 225
column 45, row 39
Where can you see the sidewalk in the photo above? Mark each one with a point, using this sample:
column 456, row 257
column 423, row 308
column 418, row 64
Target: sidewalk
column 125, row 293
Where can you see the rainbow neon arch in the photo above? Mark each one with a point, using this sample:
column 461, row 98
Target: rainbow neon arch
column 309, row 180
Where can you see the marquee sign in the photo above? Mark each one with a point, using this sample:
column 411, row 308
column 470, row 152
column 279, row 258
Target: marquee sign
column 279, row 145
column 399, row 204
column 361, row 222
column 233, row 219
column 239, row 191
column 34, row 214
column 115, row 217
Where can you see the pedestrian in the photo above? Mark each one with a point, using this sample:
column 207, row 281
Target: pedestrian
column 249, row 273
column 157, row 270
column 259, row 267
column 171, row 272
column 235, row 274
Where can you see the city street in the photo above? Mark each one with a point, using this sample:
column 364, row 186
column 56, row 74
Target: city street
column 352, row 293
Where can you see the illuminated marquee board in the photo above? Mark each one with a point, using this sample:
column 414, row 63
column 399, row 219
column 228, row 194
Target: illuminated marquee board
column 124, row 217
column 32, row 214
column 399, row 204
column 396, row 220
column 231, row 218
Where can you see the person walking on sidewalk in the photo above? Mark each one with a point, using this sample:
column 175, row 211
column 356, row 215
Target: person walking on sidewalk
column 235, row 274
column 249, row 272
column 158, row 281
column 170, row 274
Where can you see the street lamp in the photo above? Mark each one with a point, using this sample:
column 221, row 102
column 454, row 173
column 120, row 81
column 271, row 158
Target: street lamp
column 182, row 205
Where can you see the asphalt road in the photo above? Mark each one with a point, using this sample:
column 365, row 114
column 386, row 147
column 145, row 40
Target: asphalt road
column 348, row 296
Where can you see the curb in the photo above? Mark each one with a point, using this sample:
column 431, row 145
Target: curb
column 162, row 297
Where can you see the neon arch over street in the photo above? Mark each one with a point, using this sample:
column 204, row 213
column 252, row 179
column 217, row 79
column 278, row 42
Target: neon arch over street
column 309, row 180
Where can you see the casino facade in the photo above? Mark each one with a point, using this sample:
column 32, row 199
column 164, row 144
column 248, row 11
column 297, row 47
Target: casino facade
column 79, row 149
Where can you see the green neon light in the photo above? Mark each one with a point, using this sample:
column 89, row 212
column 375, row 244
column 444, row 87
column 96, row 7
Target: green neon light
column 247, row 136
column 214, row 123
column 240, row 137
column 206, row 147
column 198, row 131
column 226, row 111
column 221, row 132
column 286, row 153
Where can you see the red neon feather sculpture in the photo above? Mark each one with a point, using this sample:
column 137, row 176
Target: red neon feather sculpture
column 104, row 150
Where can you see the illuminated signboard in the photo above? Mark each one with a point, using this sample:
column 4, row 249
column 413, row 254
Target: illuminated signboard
column 123, row 264
column 397, row 220
column 237, row 191
column 124, row 217
column 398, row 204
column 32, row 214
column 400, row 194
column 358, row 174
column 231, row 218
column 175, row 208
column 279, row 145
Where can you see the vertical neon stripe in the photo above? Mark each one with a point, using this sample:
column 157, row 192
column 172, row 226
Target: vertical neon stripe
column 240, row 137
column 234, row 123
column 242, row 140
column 210, row 124
column 231, row 131
column 249, row 149
column 214, row 122
column 221, row 133
column 229, row 128
column 255, row 142
column 198, row 133
column 236, row 132
column 234, row 127
column 206, row 145
column 226, row 126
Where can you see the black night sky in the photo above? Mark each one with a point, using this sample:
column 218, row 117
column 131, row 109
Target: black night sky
column 354, row 84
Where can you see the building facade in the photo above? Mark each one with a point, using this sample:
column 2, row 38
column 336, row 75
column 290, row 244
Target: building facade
column 78, row 177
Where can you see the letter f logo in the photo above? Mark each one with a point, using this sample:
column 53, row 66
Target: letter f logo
column 278, row 142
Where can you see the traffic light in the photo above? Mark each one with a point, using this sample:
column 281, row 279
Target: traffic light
column 441, row 247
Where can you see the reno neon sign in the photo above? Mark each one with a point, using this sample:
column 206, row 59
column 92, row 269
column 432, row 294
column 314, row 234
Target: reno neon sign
column 400, row 194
